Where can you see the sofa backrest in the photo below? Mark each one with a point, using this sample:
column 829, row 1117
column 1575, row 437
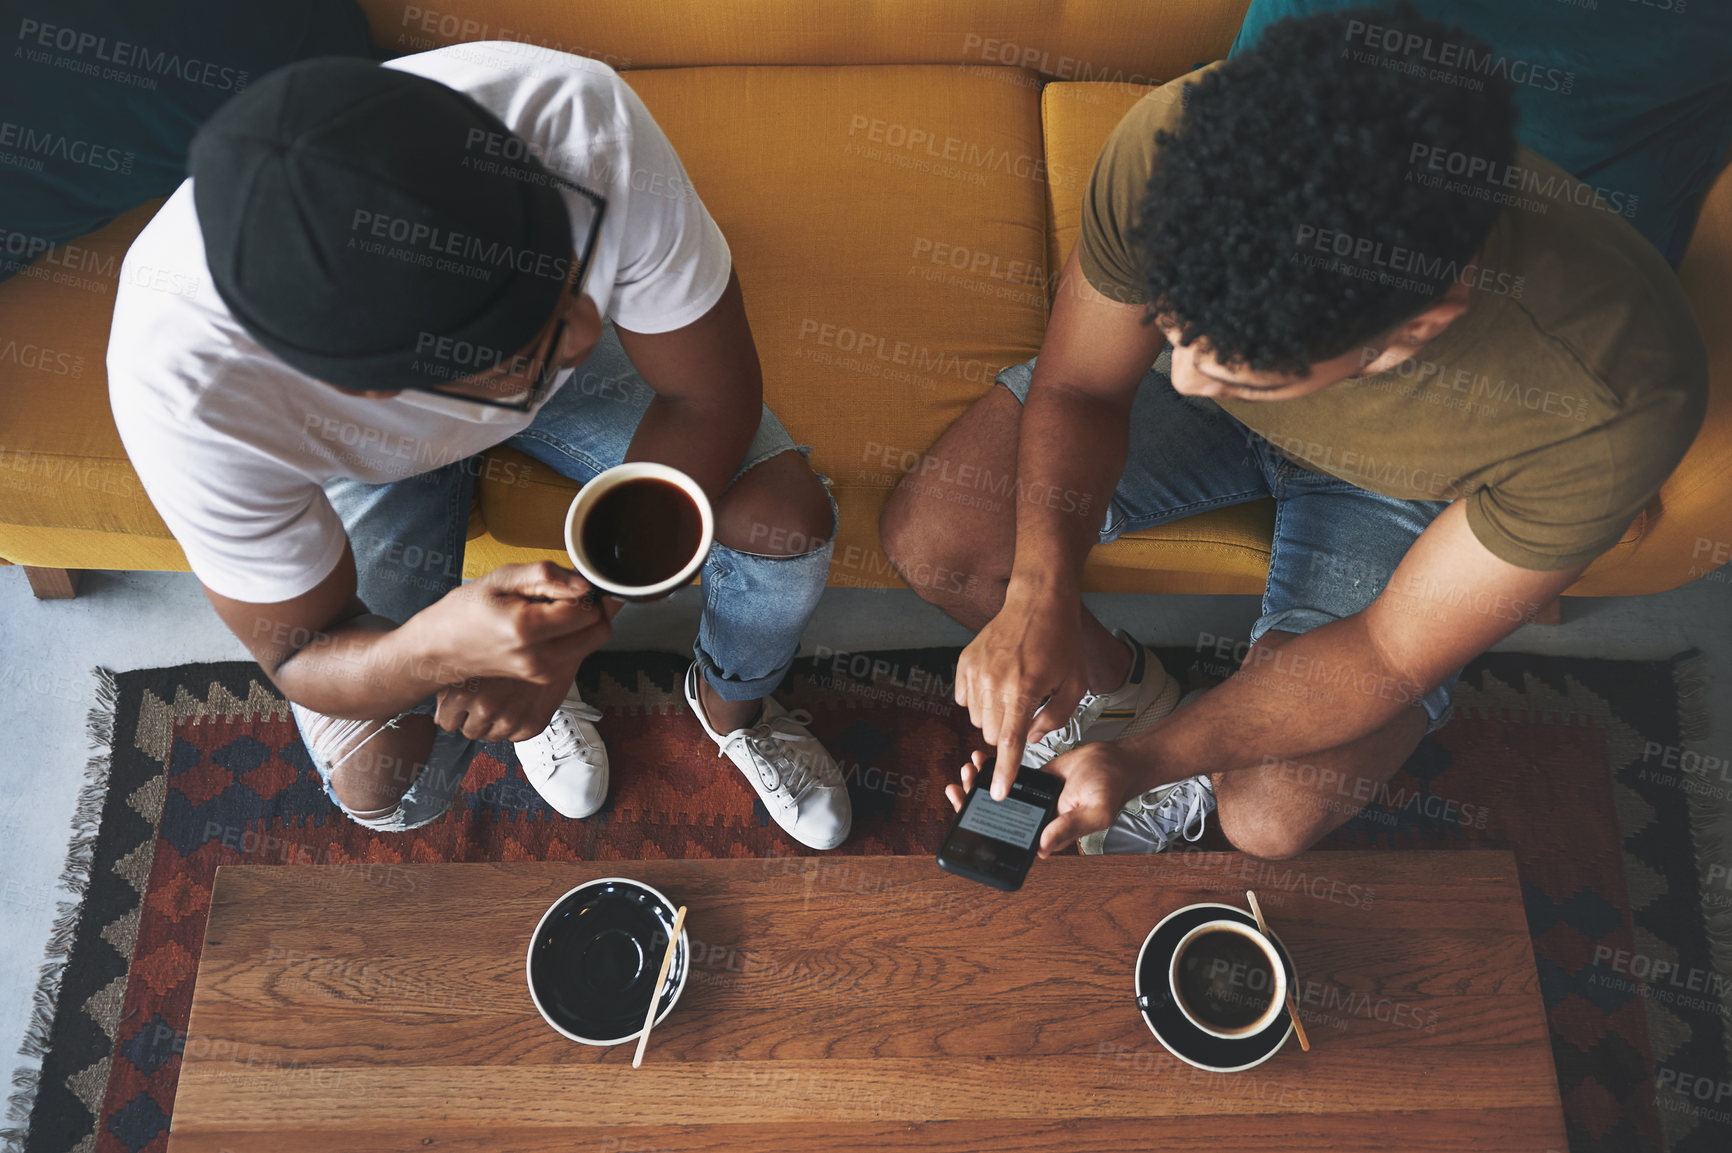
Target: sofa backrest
column 1134, row 41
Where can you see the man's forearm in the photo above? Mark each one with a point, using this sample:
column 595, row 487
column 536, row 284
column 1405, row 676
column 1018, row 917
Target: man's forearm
column 1322, row 689
column 707, row 442
column 368, row 668
column 1070, row 456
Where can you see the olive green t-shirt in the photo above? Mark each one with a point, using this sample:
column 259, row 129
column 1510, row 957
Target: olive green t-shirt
column 1555, row 406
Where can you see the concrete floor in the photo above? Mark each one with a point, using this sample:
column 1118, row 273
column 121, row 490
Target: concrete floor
column 143, row 620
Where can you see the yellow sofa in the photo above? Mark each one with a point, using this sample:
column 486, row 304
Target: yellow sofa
column 898, row 180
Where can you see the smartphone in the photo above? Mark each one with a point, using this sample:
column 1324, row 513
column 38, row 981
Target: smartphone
column 993, row 842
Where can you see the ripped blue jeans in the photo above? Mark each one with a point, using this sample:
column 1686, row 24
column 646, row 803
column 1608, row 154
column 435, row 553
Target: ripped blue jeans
column 408, row 538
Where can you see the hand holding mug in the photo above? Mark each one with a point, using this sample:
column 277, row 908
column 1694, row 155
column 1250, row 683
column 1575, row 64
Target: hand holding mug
column 507, row 709
column 522, row 621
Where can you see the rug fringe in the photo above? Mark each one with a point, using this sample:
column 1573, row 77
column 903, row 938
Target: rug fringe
column 75, row 877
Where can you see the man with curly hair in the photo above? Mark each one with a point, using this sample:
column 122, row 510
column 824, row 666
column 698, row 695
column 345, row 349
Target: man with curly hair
column 1459, row 378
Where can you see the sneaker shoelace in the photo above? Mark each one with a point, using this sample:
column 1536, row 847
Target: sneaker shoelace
column 567, row 737
column 1158, row 818
column 1069, row 735
column 778, row 767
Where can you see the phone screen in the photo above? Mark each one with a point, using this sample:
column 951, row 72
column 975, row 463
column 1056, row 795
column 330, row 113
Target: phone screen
column 993, row 842
column 1010, row 820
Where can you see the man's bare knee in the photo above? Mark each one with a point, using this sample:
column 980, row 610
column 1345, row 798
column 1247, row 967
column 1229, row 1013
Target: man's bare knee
column 935, row 560
column 908, row 527
column 938, row 545
column 1262, row 838
column 1259, row 825
column 778, row 508
column 374, row 767
column 950, row 527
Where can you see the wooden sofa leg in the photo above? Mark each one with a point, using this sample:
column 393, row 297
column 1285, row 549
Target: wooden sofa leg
column 1551, row 614
column 53, row 584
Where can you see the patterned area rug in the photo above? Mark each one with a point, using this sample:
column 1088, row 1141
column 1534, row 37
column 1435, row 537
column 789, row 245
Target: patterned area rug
column 1581, row 767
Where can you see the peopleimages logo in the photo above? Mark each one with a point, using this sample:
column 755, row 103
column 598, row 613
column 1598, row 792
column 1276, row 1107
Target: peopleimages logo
column 1458, row 64
column 427, row 243
column 466, row 31
column 1435, row 163
column 42, row 359
column 926, row 150
column 1472, row 391
column 122, row 54
column 1381, row 474
column 1013, row 55
column 1369, row 259
column 58, row 146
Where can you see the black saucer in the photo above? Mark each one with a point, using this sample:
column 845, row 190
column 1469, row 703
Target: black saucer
column 595, row 958
column 1181, row 1038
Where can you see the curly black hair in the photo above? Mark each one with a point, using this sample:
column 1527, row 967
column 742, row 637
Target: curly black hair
column 1294, row 213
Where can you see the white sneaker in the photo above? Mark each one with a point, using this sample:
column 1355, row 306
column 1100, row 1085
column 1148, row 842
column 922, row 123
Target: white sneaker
column 1147, row 695
column 567, row 762
column 792, row 772
column 1153, row 821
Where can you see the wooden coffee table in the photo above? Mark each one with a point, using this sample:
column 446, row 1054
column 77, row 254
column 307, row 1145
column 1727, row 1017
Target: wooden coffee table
column 864, row 1003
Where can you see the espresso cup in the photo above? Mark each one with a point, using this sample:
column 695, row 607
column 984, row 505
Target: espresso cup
column 639, row 531
column 1229, row 986
column 595, row 957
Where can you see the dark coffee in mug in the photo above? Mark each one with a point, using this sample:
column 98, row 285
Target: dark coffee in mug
column 642, row 532
column 1225, row 980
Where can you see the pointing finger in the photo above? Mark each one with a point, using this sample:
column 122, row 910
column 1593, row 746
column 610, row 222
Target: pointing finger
column 1013, row 727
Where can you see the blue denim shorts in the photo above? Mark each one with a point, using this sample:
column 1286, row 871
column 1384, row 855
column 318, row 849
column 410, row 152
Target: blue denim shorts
column 1335, row 546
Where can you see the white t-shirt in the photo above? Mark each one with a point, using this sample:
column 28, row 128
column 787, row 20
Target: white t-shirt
column 233, row 445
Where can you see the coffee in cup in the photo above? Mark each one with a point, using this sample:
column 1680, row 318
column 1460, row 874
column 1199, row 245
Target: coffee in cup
column 1227, row 979
column 639, row 531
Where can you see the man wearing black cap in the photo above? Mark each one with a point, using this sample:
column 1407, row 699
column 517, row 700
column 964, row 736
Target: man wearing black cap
column 397, row 267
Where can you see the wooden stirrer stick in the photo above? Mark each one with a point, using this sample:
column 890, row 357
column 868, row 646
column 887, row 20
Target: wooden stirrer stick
column 1292, row 1005
column 662, row 979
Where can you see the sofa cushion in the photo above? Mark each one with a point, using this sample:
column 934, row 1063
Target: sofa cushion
column 1073, row 40
column 888, row 227
column 61, row 460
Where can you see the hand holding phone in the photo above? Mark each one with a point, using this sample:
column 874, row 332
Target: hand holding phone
column 1097, row 779
column 995, row 842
